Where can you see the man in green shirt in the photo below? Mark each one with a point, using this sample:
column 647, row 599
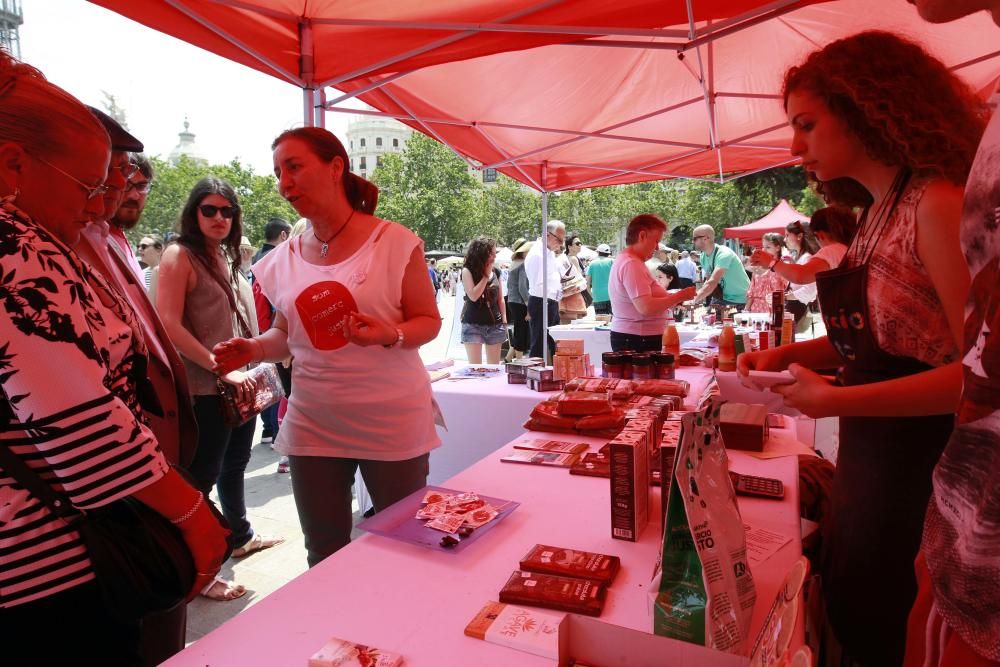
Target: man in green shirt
column 721, row 267
column 598, row 272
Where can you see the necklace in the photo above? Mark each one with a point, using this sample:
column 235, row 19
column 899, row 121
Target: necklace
column 325, row 248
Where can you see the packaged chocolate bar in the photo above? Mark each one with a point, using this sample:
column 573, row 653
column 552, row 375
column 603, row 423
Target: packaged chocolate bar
column 609, row 420
column 552, row 446
column 579, row 596
column 540, row 458
column 579, row 403
column 546, row 414
column 662, row 387
column 541, row 373
column 592, row 465
column 569, row 346
column 539, row 425
column 544, row 385
column 520, row 628
column 513, row 378
column 547, row 559
column 341, row 653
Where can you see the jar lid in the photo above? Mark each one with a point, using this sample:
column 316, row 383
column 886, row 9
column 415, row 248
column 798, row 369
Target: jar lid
column 611, row 357
column 663, row 358
column 641, row 359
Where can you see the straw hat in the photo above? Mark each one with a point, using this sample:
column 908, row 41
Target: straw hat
column 522, row 249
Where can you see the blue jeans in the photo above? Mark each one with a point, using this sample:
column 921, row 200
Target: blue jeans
column 221, row 461
column 270, row 418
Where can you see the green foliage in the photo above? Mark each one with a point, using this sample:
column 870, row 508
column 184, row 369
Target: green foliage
column 258, row 196
column 507, row 211
column 428, row 188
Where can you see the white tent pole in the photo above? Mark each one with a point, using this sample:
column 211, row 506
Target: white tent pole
column 307, row 107
column 306, row 71
column 545, row 262
column 319, row 107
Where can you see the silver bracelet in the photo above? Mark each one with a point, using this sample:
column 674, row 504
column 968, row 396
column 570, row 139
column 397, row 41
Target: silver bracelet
column 190, row 512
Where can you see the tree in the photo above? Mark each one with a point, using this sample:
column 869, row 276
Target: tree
column 508, row 211
column 429, row 189
column 172, row 183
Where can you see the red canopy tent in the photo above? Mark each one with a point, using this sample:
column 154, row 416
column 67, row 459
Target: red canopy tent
column 562, row 95
column 780, row 216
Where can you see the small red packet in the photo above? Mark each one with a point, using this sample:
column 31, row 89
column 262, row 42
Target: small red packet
column 448, row 523
column 481, row 516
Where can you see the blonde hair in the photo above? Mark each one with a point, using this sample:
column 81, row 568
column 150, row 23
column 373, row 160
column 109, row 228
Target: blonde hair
column 299, row 227
column 39, row 116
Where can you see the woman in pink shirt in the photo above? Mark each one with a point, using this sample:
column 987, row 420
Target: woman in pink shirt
column 639, row 304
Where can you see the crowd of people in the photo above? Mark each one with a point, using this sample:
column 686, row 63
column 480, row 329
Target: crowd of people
column 902, row 265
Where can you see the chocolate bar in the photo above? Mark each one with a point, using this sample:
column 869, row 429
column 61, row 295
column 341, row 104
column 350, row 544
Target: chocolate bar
column 579, row 596
column 546, row 559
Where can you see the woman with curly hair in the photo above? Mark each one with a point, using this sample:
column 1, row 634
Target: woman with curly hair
column 883, row 126
column 484, row 317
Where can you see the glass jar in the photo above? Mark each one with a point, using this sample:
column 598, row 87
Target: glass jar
column 664, row 365
column 611, row 365
column 642, row 366
column 626, row 357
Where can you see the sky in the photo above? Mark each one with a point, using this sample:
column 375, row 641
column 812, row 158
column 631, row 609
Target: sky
column 234, row 111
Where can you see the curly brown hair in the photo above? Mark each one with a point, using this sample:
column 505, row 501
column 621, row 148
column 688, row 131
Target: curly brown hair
column 906, row 107
column 477, row 254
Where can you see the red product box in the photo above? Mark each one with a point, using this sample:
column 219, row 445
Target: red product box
column 629, row 485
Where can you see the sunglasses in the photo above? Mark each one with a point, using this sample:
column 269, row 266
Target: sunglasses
column 209, row 211
column 97, row 191
column 143, row 246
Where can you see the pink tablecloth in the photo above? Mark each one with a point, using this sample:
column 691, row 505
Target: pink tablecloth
column 416, row 602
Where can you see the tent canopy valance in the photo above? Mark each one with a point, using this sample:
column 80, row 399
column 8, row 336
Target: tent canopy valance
column 780, row 216
column 563, row 94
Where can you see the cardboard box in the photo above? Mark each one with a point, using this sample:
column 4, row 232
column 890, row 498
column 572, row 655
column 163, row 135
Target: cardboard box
column 567, row 367
column 593, row 642
column 629, row 485
column 540, row 373
column 569, row 346
column 744, row 426
column 544, row 385
column 514, row 378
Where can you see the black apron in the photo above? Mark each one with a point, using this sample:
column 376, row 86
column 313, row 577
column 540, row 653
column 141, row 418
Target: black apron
column 880, row 489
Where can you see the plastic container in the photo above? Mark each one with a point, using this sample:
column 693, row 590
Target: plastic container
column 664, row 365
column 727, row 349
column 671, row 341
column 642, row 367
column 611, row 365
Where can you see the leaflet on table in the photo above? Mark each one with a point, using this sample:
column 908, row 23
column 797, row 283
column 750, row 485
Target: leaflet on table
column 476, row 372
column 762, row 543
column 552, row 446
column 540, row 458
column 342, row 653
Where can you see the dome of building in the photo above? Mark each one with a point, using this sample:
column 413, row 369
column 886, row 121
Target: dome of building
column 186, row 147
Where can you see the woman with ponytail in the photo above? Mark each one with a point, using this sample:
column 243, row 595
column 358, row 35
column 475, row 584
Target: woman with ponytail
column 353, row 322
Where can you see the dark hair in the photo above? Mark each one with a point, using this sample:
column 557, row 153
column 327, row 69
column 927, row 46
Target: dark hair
column 477, row 254
column 905, row 106
column 670, row 271
column 838, row 222
column 143, row 163
column 156, row 239
column 776, row 239
column 274, row 227
column 361, row 194
column 569, row 241
column 643, row 223
column 808, row 241
column 190, row 233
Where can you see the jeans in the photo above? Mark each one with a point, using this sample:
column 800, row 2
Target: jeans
column 602, row 308
column 322, row 489
column 635, row 343
column 221, row 461
column 535, row 313
column 270, row 418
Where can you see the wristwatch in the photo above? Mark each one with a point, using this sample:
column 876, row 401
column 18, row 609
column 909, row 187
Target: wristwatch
column 399, row 340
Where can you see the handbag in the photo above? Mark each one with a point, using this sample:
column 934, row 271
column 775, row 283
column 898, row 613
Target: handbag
column 268, row 390
column 141, row 562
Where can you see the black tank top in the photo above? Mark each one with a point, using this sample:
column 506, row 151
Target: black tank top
column 484, row 310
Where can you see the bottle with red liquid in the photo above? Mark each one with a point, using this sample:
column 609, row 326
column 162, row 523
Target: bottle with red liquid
column 727, row 348
column 671, row 341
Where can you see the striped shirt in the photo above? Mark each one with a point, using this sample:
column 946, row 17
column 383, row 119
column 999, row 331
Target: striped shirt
column 71, row 354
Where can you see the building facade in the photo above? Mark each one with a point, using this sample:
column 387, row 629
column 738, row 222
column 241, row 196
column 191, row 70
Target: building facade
column 371, row 137
column 11, row 18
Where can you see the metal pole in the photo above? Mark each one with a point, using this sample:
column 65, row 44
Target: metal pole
column 319, row 108
column 308, row 99
column 545, row 271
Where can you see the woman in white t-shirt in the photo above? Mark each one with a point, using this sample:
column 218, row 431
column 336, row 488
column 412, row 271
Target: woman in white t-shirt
column 833, row 227
column 361, row 396
column 802, row 245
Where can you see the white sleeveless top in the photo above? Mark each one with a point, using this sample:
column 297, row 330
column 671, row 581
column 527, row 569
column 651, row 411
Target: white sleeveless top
column 347, row 400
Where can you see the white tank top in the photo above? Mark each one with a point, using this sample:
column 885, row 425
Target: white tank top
column 349, row 401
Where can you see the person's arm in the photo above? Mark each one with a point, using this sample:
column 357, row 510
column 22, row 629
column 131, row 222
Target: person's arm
column 706, row 289
column 801, row 274
column 472, row 289
column 590, row 279
column 932, row 392
column 502, row 305
column 656, row 305
column 272, row 345
column 522, row 286
column 815, row 353
column 421, row 319
column 175, row 273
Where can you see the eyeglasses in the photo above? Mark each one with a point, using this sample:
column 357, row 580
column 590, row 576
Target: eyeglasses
column 128, row 169
column 209, row 211
column 142, row 188
column 561, row 239
column 143, row 246
column 95, row 191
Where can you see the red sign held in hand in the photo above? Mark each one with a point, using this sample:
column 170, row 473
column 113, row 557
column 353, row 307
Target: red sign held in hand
column 324, row 309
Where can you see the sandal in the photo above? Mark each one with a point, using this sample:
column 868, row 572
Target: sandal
column 221, row 590
column 257, row 543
